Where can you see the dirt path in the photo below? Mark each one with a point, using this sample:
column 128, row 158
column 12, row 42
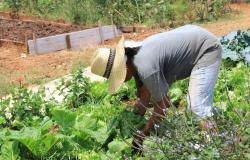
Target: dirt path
column 239, row 21
column 14, row 62
column 37, row 69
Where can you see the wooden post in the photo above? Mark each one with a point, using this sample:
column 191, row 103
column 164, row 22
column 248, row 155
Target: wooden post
column 26, row 41
column 113, row 26
column 1, row 36
column 68, row 42
column 35, row 43
column 114, row 31
column 100, row 32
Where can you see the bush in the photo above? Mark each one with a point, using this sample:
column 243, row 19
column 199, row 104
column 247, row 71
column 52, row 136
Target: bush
column 15, row 6
column 122, row 12
column 75, row 90
column 23, row 108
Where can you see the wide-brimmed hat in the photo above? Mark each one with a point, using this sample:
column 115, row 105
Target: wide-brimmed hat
column 111, row 64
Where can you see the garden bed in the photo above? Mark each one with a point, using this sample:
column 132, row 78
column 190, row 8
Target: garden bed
column 22, row 30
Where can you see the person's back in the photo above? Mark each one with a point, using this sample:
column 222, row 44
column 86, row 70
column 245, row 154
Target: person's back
column 170, row 56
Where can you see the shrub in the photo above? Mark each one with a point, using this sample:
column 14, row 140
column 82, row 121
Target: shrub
column 23, row 107
column 15, row 6
column 75, row 90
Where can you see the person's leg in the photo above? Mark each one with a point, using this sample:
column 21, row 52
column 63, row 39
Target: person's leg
column 201, row 88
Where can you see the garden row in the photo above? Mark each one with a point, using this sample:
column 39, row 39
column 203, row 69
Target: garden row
column 21, row 31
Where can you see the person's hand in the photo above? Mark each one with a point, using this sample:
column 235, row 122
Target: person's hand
column 137, row 144
column 209, row 125
column 141, row 109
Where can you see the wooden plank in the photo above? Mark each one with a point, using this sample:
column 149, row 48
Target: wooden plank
column 108, row 32
column 114, row 30
column 11, row 41
column 77, row 39
column 1, row 35
column 26, row 41
column 57, row 42
column 67, row 38
column 127, row 29
column 35, row 43
column 100, row 32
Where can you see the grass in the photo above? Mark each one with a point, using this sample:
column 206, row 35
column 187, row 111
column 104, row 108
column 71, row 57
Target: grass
column 2, row 6
column 232, row 15
column 5, row 84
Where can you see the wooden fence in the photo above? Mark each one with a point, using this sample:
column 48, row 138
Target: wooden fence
column 73, row 40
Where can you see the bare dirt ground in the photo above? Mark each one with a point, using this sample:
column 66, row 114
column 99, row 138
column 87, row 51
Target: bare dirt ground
column 35, row 69
column 14, row 62
column 23, row 29
column 241, row 20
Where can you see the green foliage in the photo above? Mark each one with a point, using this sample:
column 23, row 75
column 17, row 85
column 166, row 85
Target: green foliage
column 126, row 123
column 75, row 90
column 122, row 12
column 127, row 92
column 10, row 150
column 64, row 118
column 238, row 43
column 208, row 10
column 23, row 107
column 90, row 124
column 15, row 6
column 117, row 146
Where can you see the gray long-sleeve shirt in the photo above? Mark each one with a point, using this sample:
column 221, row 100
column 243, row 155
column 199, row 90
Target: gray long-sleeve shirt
column 169, row 56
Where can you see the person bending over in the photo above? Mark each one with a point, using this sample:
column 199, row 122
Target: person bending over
column 159, row 61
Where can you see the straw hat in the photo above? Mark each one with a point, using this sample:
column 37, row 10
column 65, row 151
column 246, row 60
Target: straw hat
column 111, row 64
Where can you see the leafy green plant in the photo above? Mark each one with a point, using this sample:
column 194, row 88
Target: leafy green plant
column 238, row 43
column 122, row 12
column 23, row 107
column 75, row 90
column 90, row 124
column 15, row 6
column 10, row 150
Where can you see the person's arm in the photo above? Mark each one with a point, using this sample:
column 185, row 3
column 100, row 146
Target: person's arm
column 160, row 110
column 143, row 99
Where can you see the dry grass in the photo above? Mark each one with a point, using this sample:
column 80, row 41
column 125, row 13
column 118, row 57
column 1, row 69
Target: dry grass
column 38, row 69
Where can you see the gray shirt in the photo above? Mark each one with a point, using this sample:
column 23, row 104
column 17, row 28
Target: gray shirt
column 169, row 56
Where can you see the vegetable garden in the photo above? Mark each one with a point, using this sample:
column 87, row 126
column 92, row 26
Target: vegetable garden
column 90, row 124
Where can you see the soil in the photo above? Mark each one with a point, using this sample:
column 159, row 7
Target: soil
column 241, row 20
column 22, row 30
column 14, row 61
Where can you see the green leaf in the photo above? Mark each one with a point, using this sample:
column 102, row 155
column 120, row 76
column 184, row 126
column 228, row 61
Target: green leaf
column 85, row 126
column 247, row 155
column 64, row 118
column 2, row 120
column 10, row 151
column 40, row 146
column 32, row 138
column 117, row 146
column 85, row 122
column 100, row 135
column 175, row 94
